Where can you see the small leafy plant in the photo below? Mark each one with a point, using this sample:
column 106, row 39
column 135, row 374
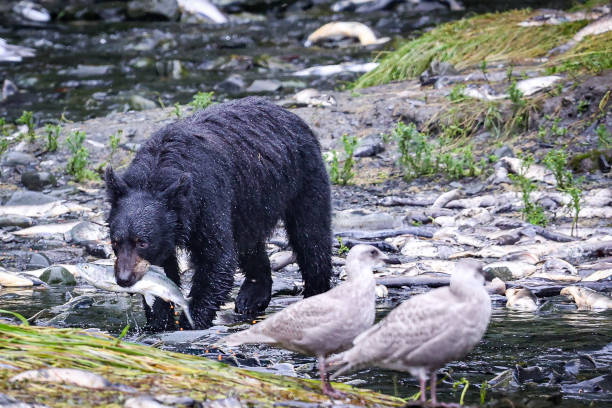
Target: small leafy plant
column 53, row 133
column 343, row 175
column 457, row 93
column 177, row 110
column 343, row 249
column 604, row 137
column 532, row 213
column 78, row 162
column 519, row 103
column 202, row 100
column 417, row 156
column 493, row 120
column 113, row 143
column 27, row 119
column 556, row 161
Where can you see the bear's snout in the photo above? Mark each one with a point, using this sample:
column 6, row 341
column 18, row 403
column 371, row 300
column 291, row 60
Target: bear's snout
column 129, row 268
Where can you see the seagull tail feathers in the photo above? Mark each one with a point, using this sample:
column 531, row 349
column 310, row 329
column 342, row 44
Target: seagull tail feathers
column 247, row 337
column 341, row 364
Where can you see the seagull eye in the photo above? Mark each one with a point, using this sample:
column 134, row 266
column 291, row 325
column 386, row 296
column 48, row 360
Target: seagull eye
column 373, row 252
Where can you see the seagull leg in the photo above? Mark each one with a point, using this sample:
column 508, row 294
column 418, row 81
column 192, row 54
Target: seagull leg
column 325, row 384
column 432, row 389
column 423, row 383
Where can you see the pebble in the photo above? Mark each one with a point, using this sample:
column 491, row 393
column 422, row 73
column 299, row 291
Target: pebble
column 264, row 85
column 359, row 219
column 38, row 260
column 86, row 231
column 509, row 270
column 12, row 159
column 35, row 180
column 57, row 275
column 25, row 197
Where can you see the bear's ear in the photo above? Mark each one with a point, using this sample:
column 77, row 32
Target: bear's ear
column 177, row 191
column 115, row 186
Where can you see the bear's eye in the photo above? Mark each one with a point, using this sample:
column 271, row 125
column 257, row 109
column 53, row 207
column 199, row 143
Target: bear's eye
column 141, row 244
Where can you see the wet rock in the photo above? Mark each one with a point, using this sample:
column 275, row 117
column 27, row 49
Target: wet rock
column 99, row 250
column 35, row 180
column 530, row 374
column 504, row 151
column 281, row 259
column 12, row 159
column 369, row 146
column 79, row 302
column 58, row 275
column 356, row 219
column 85, row 232
column 139, row 103
column 15, row 221
column 38, row 261
column 232, row 84
column 24, row 197
column 496, row 286
column 8, row 89
column 435, row 70
column 264, row 85
column 160, row 9
column 506, row 271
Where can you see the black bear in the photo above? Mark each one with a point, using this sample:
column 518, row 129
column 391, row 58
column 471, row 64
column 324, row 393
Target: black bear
column 216, row 184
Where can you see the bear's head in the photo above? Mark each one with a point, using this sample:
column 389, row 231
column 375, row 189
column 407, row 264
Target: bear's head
column 143, row 225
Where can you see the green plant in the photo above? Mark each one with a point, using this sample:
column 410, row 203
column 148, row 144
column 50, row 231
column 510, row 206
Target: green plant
column 77, row 163
column 493, row 120
column 466, row 384
column 519, row 104
column 457, row 93
column 3, row 127
column 583, row 106
column 113, row 143
column 483, row 391
column 343, row 175
column 604, row 137
column 53, row 133
column 556, row 161
column 483, row 69
column 4, row 143
column 27, row 119
column 509, row 72
column 416, row 152
column 343, row 249
column 202, row 100
column 558, row 130
column 575, row 193
column 532, row 213
column 177, row 110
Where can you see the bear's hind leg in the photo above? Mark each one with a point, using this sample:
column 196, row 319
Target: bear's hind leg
column 255, row 292
column 308, row 224
column 161, row 317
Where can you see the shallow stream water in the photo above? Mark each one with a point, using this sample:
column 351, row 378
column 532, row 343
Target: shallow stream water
column 549, row 343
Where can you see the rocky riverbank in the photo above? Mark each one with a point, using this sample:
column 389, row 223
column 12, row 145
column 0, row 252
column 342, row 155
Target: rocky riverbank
column 466, row 205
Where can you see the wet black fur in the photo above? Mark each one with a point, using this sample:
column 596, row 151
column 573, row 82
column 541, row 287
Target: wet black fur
column 216, row 184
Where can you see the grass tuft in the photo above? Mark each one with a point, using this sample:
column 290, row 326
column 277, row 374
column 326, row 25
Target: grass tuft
column 147, row 369
column 491, row 37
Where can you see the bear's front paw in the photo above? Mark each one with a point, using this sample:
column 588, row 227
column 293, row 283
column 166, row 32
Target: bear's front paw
column 253, row 297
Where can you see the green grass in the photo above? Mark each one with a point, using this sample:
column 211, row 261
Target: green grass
column 593, row 54
column 147, row 369
column 491, row 37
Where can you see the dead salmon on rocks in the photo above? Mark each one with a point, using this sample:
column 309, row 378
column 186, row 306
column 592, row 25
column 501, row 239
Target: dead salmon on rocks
column 153, row 284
